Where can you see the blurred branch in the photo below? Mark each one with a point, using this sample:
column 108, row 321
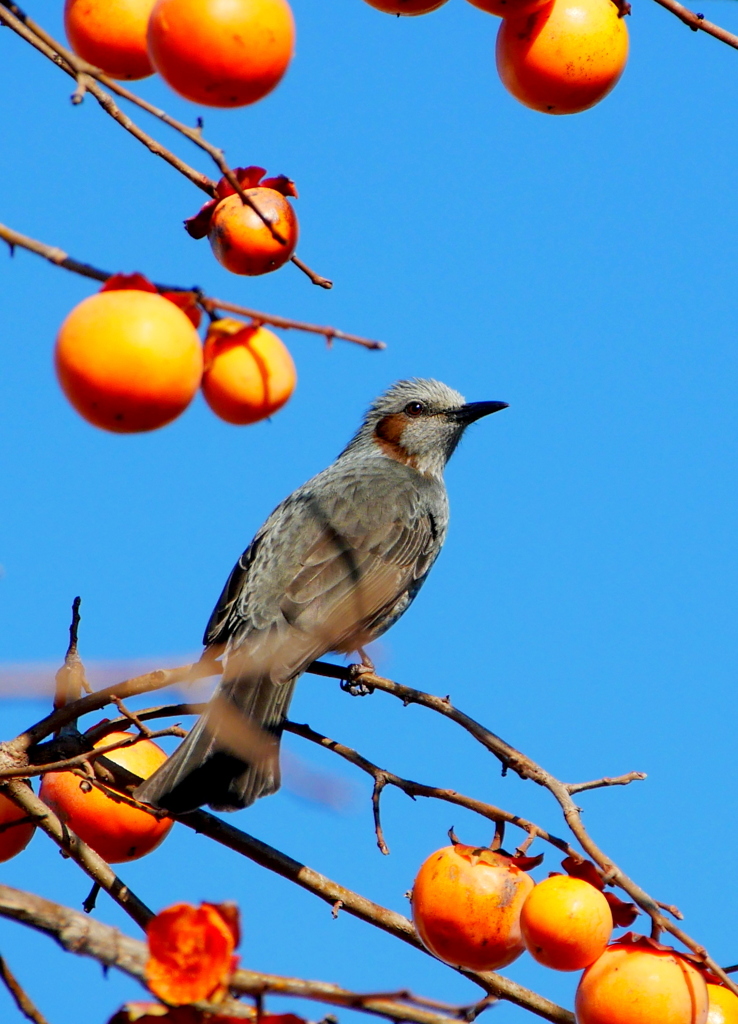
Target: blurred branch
column 60, row 259
column 21, row 999
column 90, row 862
column 357, row 678
column 383, row 778
column 88, row 77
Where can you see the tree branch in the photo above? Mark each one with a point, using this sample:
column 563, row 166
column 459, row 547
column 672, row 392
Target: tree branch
column 60, row 259
column 87, row 77
column 21, row 999
column 85, row 936
column 383, row 778
column 698, row 22
column 90, row 862
column 357, row 678
column 359, row 906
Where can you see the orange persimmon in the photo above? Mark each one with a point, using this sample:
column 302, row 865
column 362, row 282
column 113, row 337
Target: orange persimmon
column 243, row 243
column 15, row 834
column 249, row 373
column 223, row 53
column 565, row 57
column 638, row 981
column 722, row 1005
column 191, row 952
column 466, row 905
column 112, row 827
column 566, row 923
column 128, row 360
column 406, row 6
column 111, row 34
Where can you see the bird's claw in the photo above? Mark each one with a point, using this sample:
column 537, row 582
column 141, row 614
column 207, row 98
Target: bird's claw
column 354, row 683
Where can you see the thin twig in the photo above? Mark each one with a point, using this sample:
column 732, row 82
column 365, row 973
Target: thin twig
column 621, row 780
column 698, row 22
column 61, row 259
column 415, row 789
column 526, row 768
column 87, row 77
column 21, row 998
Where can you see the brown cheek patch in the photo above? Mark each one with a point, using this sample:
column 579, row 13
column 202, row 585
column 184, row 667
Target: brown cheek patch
column 388, row 433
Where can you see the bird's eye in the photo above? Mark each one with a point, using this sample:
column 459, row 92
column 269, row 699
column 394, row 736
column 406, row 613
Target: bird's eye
column 414, row 408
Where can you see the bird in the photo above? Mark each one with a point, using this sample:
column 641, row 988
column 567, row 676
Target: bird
column 332, row 568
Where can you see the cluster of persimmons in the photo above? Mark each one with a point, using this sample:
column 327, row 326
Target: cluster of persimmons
column 130, row 359
column 475, row 908
column 556, row 56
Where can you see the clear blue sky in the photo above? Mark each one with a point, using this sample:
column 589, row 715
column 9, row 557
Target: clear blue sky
column 582, row 269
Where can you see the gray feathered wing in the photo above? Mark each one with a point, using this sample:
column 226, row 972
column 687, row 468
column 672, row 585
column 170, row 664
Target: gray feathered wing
column 318, row 577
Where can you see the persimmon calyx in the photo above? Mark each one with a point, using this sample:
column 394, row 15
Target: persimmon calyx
column 247, row 177
column 187, row 301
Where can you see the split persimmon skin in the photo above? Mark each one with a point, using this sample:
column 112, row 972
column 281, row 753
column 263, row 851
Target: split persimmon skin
column 113, row 828
column 409, row 7
column 111, row 34
column 466, row 907
column 243, row 243
column 565, row 57
column 128, row 360
column 566, row 923
column 631, row 984
column 13, row 840
column 248, row 375
column 221, row 53
column 723, row 1005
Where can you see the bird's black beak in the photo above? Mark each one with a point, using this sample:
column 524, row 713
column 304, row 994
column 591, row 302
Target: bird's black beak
column 467, row 414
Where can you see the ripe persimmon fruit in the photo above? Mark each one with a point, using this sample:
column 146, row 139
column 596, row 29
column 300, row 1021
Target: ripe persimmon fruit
column 565, row 57
column 223, row 53
column 128, row 360
column 13, row 837
column 722, row 1005
column 246, row 241
column 112, row 827
column 406, row 6
column 249, row 373
column 508, row 8
column 111, row 34
column 566, row 923
column 466, row 905
column 637, row 981
column 243, row 243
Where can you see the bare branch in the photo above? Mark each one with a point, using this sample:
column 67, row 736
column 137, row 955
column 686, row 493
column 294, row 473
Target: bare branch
column 698, row 22
column 359, row 906
column 87, row 937
column 621, row 780
column 382, row 778
column 87, row 77
column 60, row 259
column 526, row 768
column 90, row 862
column 22, row 1000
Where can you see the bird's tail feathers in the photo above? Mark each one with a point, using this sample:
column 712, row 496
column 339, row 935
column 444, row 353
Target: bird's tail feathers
column 231, row 756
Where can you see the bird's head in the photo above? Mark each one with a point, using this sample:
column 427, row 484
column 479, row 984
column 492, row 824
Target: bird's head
column 419, row 423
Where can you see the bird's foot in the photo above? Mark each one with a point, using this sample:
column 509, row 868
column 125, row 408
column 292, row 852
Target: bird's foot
column 354, row 684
